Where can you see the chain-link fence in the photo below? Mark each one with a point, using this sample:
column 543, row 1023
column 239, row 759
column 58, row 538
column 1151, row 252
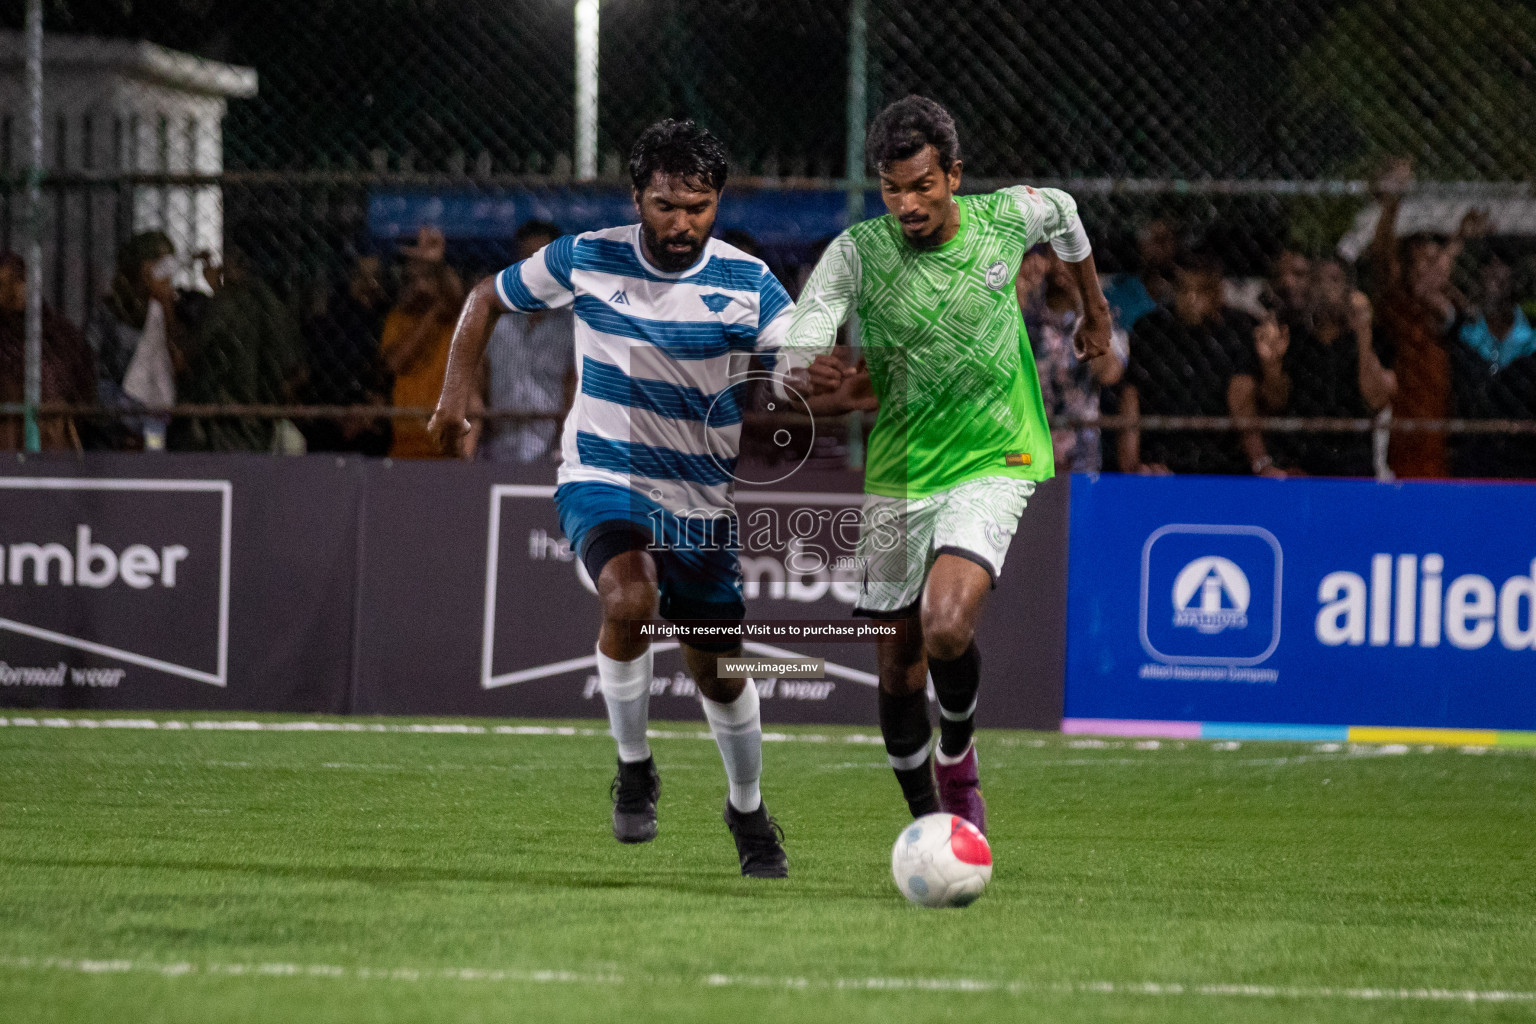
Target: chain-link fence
column 276, row 162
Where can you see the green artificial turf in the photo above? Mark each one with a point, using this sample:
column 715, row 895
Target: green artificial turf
column 197, row 875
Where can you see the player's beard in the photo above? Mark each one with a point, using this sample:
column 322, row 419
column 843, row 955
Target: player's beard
column 664, row 258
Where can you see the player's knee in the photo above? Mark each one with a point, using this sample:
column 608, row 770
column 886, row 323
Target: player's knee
column 946, row 634
column 721, row 691
column 629, row 601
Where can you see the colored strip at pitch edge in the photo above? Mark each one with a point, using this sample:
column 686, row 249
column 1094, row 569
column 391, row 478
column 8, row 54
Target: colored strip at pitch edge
column 1305, row 733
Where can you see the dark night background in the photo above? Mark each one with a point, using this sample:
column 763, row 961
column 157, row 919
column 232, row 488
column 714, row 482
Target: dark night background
column 1296, row 88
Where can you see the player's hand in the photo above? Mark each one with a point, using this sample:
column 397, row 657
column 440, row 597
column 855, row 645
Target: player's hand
column 1092, row 337
column 449, row 427
column 826, row 374
column 857, row 392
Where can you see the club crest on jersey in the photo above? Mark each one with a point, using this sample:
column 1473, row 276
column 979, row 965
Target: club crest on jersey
column 715, row 302
column 997, row 276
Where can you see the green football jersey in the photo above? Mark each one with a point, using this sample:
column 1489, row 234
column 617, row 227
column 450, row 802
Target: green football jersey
column 944, row 340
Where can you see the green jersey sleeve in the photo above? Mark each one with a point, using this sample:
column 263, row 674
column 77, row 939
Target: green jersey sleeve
column 824, row 304
column 1050, row 215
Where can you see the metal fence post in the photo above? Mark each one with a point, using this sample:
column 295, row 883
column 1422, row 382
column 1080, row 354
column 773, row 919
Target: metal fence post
column 32, row 385
column 858, row 77
column 1381, row 439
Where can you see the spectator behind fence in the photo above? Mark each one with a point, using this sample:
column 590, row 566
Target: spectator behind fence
column 345, row 365
column 1132, row 296
column 136, row 334
column 1181, row 362
column 529, row 366
column 243, row 349
column 1069, row 386
column 1416, row 307
column 68, row 370
column 417, row 333
column 1331, row 368
column 1290, row 285
column 1493, row 374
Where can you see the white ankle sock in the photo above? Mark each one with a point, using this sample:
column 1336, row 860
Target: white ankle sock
column 626, row 687
column 738, row 729
column 945, row 759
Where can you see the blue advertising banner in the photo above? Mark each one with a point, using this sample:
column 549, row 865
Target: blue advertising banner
column 1328, row 602
column 775, row 217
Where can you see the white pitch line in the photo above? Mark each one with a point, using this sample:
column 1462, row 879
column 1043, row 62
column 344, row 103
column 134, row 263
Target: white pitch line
column 1353, row 750
column 181, row 969
column 423, row 728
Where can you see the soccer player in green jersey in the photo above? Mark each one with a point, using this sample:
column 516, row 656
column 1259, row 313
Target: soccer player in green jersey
column 960, row 440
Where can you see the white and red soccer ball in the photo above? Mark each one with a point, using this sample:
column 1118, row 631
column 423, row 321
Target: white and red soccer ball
column 941, row 860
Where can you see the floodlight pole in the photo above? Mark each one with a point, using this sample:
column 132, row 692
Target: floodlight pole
column 32, row 380
column 586, row 89
column 858, row 110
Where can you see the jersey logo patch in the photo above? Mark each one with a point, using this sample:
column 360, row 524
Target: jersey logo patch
column 618, row 298
column 1017, row 459
column 997, row 276
column 715, row 302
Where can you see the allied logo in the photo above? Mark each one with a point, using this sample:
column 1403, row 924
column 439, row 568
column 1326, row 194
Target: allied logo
column 715, row 302
column 997, row 276
column 1210, row 594
column 619, row 298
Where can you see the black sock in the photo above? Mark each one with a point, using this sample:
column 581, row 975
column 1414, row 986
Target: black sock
column 905, row 726
column 956, row 682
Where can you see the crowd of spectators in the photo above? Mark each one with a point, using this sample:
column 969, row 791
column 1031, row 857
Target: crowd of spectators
column 1428, row 327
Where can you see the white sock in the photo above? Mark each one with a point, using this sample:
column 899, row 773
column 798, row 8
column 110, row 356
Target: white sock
column 626, row 687
column 738, row 729
column 945, row 759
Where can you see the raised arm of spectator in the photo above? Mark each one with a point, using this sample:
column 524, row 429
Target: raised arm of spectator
column 1378, row 385
column 1271, row 340
column 1389, row 188
column 1242, row 403
column 1128, row 447
column 1129, row 444
column 1258, row 387
column 542, row 281
column 403, row 353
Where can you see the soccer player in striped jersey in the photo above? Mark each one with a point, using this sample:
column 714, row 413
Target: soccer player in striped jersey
column 666, row 318
column 960, row 440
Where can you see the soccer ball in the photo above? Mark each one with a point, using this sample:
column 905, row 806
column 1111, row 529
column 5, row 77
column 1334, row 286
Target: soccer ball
column 941, row 860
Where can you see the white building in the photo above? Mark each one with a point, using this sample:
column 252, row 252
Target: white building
column 114, row 107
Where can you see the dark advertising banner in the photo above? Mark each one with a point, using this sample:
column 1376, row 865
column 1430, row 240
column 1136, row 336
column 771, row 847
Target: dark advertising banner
column 177, row 582
column 323, row 584
column 474, row 603
column 1318, row 602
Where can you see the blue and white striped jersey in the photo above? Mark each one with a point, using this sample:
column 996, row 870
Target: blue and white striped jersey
column 657, row 355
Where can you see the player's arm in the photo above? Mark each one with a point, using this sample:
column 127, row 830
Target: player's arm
column 1052, row 213
column 542, row 281
column 805, row 358
column 450, row 426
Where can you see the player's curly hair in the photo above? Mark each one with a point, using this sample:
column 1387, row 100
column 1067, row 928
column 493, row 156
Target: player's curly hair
column 902, row 129
column 678, row 147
